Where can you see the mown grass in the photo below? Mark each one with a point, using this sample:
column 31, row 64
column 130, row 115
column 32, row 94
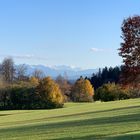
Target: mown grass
column 119, row 120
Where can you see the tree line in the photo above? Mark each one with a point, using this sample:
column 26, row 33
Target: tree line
column 18, row 90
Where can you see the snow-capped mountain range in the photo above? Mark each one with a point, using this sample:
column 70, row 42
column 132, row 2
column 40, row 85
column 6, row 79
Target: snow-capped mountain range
column 54, row 71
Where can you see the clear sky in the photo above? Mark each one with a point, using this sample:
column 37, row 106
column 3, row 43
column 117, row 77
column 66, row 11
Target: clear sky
column 81, row 33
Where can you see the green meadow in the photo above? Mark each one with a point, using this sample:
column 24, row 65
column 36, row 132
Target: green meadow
column 118, row 120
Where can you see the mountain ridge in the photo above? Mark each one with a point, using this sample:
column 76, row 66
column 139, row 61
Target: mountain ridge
column 54, row 71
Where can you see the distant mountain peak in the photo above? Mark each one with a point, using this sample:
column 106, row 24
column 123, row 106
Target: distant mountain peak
column 53, row 71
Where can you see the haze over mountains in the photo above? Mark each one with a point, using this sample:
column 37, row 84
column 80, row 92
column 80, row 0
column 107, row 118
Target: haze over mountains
column 53, row 71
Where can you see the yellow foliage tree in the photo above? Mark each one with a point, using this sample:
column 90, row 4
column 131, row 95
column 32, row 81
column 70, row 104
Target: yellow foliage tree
column 50, row 93
column 34, row 81
column 82, row 91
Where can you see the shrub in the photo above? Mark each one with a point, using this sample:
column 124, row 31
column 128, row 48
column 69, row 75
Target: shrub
column 5, row 102
column 134, row 93
column 22, row 98
column 111, row 92
column 25, row 95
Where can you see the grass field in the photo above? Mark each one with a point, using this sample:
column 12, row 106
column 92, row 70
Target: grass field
column 119, row 120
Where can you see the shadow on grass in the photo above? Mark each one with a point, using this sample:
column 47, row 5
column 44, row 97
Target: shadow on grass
column 47, row 128
column 5, row 114
column 96, row 137
column 77, row 114
column 100, row 111
column 125, row 137
column 81, row 123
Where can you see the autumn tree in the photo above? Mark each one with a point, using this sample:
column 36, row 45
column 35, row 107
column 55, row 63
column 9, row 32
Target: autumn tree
column 64, row 86
column 82, row 91
column 49, row 94
column 39, row 74
column 21, row 72
column 8, row 70
column 34, row 81
column 130, row 50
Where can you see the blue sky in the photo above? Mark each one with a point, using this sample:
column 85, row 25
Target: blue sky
column 80, row 33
